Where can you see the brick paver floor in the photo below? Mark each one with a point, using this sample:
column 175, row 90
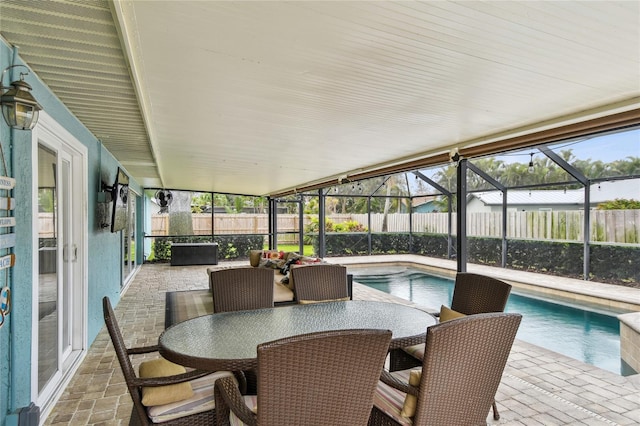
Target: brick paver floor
column 539, row 387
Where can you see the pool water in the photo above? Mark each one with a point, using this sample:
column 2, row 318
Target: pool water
column 589, row 336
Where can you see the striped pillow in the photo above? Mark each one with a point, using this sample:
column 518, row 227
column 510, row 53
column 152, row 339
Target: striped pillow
column 252, row 402
column 202, row 400
column 390, row 400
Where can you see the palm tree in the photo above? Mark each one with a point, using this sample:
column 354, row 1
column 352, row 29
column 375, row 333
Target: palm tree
column 628, row 167
column 447, row 177
column 516, row 174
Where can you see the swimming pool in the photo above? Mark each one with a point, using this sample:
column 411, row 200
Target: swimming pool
column 586, row 335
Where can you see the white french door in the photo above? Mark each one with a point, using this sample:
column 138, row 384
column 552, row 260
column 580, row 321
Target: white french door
column 129, row 241
column 60, row 291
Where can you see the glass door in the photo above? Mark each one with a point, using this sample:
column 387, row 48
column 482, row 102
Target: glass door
column 129, row 240
column 50, row 277
column 60, row 290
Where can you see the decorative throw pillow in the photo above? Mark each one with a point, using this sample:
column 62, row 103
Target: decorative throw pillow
column 410, row 401
column 269, row 263
column 276, row 255
column 447, row 314
column 287, row 265
column 160, row 395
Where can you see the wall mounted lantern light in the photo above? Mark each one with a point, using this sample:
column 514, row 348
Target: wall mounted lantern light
column 19, row 108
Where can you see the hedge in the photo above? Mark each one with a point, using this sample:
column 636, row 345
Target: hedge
column 230, row 247
column 609, row 263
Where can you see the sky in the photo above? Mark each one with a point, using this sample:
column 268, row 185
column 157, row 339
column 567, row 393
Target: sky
column 607, row 148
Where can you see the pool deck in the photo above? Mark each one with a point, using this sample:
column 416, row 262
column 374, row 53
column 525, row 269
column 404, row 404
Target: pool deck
column 539, row 387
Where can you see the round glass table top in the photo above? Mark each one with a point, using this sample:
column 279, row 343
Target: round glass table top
column 227, row 340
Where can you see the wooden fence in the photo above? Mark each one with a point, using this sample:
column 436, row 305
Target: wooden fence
column 614, row 226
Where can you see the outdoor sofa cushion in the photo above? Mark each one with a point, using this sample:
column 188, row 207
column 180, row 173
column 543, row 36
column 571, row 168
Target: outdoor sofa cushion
column 280, row 262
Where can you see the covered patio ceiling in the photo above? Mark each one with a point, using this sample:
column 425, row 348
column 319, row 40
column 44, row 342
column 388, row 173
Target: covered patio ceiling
column 267, row 97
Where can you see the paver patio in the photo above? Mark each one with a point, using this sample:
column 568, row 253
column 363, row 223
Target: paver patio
column 539, row 387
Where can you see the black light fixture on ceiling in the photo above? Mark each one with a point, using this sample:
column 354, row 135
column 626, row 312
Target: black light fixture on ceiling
column 19, row 108
column 531, row 167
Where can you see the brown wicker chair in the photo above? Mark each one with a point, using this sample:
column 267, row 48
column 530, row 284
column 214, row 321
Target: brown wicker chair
column 478, row 294
column 239, row 289
column 139, row 414
column 461, row 370
column 472, row 294
column 321, row 282
column 317, row 379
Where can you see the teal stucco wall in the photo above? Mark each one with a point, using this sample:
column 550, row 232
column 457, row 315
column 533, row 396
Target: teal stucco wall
column 104, row 259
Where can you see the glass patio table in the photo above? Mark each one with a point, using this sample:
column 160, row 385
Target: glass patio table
column 228, row 341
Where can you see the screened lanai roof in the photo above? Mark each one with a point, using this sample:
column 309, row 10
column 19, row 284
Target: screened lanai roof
column 610, row 162
column 275, row 97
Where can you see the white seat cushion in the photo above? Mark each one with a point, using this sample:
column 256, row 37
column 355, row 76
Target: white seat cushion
column 281, row 292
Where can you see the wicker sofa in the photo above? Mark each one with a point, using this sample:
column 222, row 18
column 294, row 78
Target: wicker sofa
column 282, row 262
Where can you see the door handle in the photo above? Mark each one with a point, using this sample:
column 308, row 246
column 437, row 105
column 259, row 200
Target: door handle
column 74, row 253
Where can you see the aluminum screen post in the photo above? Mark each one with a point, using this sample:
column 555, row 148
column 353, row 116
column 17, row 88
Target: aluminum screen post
column 461, row 237
column 321, row 223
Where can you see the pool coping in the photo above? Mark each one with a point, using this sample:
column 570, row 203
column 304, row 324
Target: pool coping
column 600, row 295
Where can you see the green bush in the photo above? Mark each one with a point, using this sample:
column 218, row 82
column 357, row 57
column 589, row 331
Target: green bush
column 620, row 204
column 229, row 246
column 484, row 251
column 615, row 263
column 609, row 263
column 390, row 243
column 238, row 246
column 432, row 245
column 312, row 229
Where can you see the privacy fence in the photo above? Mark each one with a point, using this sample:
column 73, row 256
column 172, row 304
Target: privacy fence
column 611, row 226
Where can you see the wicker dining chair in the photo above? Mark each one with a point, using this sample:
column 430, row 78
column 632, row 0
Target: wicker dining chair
column 243, row 288
column 479, row 294
column 321, row 282
column 317, row 379
column 472, row 294
column 461, row 371
column 187, row 414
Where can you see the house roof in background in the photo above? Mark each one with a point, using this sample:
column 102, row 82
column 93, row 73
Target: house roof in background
column 600, row 192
